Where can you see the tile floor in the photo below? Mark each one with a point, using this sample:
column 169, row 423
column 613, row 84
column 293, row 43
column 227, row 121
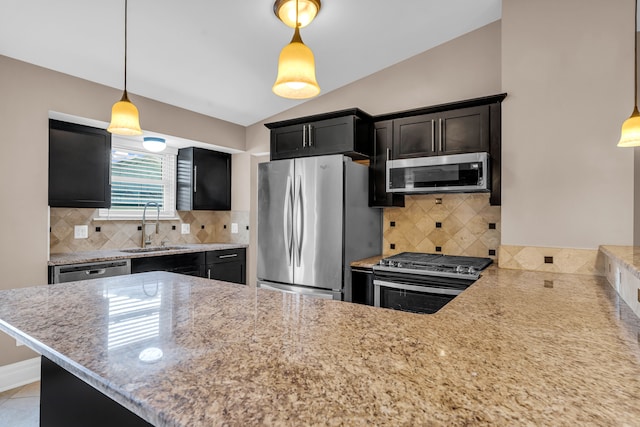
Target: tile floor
column 20, row 407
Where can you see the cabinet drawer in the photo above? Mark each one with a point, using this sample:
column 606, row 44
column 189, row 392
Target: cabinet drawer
column 225, row 255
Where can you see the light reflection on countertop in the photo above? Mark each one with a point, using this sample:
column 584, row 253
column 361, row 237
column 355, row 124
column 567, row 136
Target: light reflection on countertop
column 516, row 347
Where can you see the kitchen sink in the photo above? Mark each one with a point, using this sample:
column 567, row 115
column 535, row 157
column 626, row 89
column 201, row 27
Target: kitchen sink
column 151, row 249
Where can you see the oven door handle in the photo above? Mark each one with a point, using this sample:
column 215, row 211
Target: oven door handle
column 423, row 289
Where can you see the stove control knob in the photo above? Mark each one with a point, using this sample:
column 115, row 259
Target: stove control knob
column 472, row 270
column 399, row 265
column 381, row 262
column 460, row 269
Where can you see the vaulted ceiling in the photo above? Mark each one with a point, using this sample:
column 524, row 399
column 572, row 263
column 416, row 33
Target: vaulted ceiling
column 219, row 58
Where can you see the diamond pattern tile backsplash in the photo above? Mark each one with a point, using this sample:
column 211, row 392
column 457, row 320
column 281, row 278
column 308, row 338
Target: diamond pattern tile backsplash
column 205, row 227
column 451, row 224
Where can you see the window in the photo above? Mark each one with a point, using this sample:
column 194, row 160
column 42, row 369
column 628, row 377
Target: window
column 139, row 177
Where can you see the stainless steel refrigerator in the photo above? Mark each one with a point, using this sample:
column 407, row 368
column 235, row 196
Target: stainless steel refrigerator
column 313, row 221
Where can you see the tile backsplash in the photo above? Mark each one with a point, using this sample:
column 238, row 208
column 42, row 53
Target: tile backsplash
column 205, row 227
column 451, row 224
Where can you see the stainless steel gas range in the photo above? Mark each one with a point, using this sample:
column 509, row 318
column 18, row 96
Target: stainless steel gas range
column 421, row 282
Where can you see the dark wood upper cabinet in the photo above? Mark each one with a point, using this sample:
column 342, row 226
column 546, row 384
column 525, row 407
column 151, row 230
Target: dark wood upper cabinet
column 204, row 180
column 342, row 132
column 79, row 166
column 382, row 139
column 464, row 130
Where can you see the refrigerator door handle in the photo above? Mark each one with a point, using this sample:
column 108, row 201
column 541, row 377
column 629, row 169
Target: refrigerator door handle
column 287, row 217
column 299, row 214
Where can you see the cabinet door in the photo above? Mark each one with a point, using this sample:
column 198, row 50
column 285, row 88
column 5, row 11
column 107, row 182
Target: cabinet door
column 79, row 166
column 362, row 286
column 464, row 131
column 189, row 263
column 415, row 136
column 212, row 171
column 286, row 142
column 382, row 144
column 204, row 180
column 331, row 136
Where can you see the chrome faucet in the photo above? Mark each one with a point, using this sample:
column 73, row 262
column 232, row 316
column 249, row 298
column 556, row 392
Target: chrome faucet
column 146, row 239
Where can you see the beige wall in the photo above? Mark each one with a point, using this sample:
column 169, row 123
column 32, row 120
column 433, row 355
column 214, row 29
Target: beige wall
column 28, row 94
column 568, row 68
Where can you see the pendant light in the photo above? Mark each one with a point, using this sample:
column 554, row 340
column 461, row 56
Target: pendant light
column 630, row 135
column 296, row 69
column 125, row 119
column 306, row 10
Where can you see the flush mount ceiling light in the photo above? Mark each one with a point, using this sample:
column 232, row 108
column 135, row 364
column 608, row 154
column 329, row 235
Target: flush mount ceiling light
column 630, row 135
column 306, row 10
column 125, row 119
column 154, row 144
column 296, row 70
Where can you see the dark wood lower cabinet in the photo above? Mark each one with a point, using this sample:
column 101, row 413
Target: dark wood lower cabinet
column 66, row 401
column 362, row 286
column 228, row 265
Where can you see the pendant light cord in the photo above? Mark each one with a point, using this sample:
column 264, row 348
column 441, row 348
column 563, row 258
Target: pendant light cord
column 635, row 55
column 298, row 20
column 125, row 45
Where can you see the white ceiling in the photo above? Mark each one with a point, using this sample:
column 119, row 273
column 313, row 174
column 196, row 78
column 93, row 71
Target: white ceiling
column 219, row 58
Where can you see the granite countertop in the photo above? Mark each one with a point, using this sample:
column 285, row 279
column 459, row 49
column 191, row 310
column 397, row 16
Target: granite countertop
column 629, row 256
column 367, row 263
column 109, row 255
column 516, row 347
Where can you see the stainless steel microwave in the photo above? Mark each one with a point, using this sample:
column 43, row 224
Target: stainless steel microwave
column 439, row 174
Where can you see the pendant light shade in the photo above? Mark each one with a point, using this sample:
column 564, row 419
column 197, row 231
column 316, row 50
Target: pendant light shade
column 630, row 135
column 306, row 10
column 154, row 144
column 296, row 71
column 125, row 119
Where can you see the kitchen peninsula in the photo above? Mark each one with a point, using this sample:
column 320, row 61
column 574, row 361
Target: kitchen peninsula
column 515, row 348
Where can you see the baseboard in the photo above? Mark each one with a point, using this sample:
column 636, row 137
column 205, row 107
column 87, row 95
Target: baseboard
column 19, row 373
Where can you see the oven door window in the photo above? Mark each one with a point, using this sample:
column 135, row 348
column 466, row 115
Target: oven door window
column 412, row 301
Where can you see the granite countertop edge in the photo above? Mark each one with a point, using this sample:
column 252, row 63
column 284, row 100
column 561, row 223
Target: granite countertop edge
column 628, row 256
column 116, row 254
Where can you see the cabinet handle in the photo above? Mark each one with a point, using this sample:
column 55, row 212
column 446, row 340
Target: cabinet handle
column 440, row 137
column 195, row 178
column 433, row 135
column 208, row 273
column 310, row 139
column 388, row 153
column 304, row 136
column 228, row 256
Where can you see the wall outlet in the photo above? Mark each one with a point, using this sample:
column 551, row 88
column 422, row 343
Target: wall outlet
column 234, row 228
column 80, row 231
column 185, row 228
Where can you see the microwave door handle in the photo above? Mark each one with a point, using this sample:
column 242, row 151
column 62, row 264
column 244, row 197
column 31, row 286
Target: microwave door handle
column 440, row 143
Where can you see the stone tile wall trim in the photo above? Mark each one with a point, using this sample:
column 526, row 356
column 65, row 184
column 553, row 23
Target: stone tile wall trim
column 565, row 260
